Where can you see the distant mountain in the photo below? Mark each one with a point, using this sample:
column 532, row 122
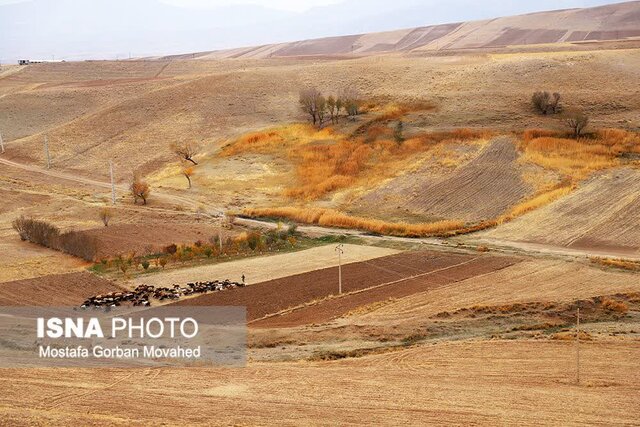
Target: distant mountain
column 80, row 29
column 609, row 22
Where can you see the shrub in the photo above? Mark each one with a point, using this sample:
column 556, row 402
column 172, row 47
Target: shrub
column 145, row 264
column 615, row 306
column 105, row 215
column 140, row 190
column 170, row 249
column 546, row 103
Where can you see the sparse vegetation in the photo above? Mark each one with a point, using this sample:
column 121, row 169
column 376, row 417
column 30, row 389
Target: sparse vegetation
column 577, row 122
column 185, row 151
column 140, row 190
column 105, row 215
column 623, row 264
column 546, row 103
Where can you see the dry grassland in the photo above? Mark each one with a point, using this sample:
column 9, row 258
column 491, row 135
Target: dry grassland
column 530, row 383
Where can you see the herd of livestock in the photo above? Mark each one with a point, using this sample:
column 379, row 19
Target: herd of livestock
column 143, row 294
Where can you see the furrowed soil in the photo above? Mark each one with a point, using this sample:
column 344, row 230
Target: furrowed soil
column 273, row 296
column 602, row 215
column 60, row 290
column 484, row 188
column 454, row 271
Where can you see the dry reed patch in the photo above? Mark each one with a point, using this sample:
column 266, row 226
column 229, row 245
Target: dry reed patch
column 617, row 263
column 536, row 202
column 326, row 160
column 274, row 140
column 577, row 159
column 333, row 218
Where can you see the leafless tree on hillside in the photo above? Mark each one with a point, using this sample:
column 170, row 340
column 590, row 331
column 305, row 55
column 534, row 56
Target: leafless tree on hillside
column 310, row 101
column 577, row 121
column 546, row 103
column 186, row 151
column 322, row 110
column 332, row 108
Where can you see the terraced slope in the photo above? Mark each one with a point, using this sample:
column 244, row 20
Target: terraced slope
column 603, row 214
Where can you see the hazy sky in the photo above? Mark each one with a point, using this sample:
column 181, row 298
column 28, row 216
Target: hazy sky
column 292, row 5
column 108, row 29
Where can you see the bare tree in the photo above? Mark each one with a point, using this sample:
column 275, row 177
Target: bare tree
column 140, row 190
column 309, row 102
column 339, row 105
column 577, row 121
column 186, row 151
column 188, row 173
column 350, row 100
column 322, row 109
column 332, row 109
column 105, row 216
column 546, row 103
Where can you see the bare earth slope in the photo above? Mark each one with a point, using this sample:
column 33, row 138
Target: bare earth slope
column 610, row 22
column 601, row 214
column 481, row 189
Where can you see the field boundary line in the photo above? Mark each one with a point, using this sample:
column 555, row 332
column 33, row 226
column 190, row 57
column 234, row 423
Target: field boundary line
column 358, row 291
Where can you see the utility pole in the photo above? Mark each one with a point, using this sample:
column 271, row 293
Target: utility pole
column 113, row 185
column 1, row 144
column 578, row 347
column 220, row 233
column 46, row 152
column 340, row 252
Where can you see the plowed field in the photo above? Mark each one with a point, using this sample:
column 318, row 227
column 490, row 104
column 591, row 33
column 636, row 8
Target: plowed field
column 601, row 215
column 429, row 269
column 59, row 290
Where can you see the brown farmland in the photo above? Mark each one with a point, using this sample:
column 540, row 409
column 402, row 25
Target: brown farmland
column 276, row 295
column 61, row 290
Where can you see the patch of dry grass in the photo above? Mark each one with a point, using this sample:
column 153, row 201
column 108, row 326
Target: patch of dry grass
column 536, row 202
column 326, row 160
column 333, row 218
column 577, row 159
column 617, row 263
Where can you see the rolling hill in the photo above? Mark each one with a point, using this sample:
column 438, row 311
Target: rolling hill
column 610, row 22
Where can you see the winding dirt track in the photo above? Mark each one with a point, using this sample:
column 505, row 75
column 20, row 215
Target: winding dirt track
column 172, row 198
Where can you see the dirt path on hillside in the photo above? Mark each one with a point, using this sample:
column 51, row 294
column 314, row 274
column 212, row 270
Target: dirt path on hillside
column 214, row 211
